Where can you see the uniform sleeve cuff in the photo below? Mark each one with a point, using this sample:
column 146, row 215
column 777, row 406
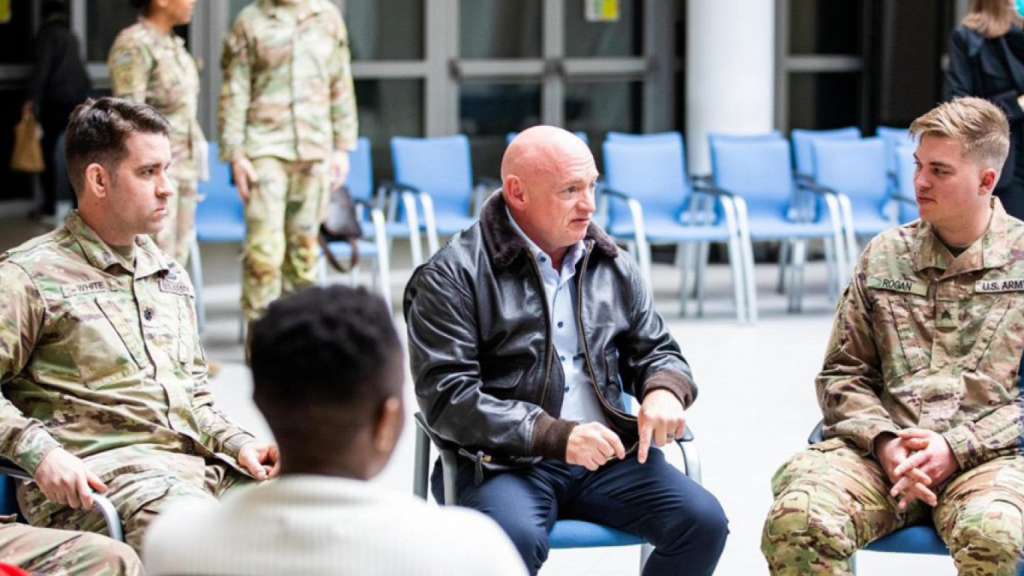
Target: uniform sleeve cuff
column 234, row 444
column 674, row 382
column 33, row 447
column 349, row 145
column 551, row 437
column 965, row 446
column 865, row 437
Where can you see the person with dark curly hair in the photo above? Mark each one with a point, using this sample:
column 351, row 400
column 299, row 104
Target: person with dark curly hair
column 328, row 376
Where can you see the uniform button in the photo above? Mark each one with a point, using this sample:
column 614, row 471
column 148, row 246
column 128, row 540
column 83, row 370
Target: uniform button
column 148, row 314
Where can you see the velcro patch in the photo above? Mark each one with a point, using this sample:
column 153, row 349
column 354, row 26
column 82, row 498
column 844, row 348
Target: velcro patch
column 906, row 286
column 179, row 288
column 996, row 286
column 70, row 290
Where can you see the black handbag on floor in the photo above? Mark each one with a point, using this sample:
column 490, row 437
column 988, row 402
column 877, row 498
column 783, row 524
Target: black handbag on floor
column 341, row 224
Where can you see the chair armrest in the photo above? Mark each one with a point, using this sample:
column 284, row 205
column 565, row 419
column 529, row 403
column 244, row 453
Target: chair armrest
column 449, row 463
column 616, row 193
column 817, row 435
column 815, row 188
column 390, row 187
column 691, row 457
column 102, row 503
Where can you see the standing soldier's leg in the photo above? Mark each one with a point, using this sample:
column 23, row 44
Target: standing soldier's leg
column 307, row 207
column 48, row 551
column 185, row 223
column 980, row 518
column 829, row 502
column 264, row 248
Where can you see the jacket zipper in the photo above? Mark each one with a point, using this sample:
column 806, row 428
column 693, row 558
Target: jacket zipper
column 583, row 337
column 547, row 322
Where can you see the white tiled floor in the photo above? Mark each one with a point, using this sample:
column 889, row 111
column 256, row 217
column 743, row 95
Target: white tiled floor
column 756, row 403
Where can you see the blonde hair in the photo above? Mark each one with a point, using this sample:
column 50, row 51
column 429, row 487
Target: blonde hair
column 978, row 124
column 992, row 18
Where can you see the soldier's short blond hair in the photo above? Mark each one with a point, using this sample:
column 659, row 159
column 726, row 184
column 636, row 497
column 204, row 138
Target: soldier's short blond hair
column 978, row 124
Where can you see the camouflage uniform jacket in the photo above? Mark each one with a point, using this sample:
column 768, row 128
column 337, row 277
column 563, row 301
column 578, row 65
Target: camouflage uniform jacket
column 149, row 66
column 287, row 88
column 102, row 356
column 925, row 340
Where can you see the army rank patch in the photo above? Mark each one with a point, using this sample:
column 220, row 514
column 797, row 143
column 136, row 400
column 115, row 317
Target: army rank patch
column 905, row 286
column 69, row 290
column 997, row 286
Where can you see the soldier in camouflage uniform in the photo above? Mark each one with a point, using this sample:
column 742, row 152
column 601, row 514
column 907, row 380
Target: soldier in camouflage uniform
column 149, row 63
column 103, row 375
column 64, row 552
column 287, row 121
column 920, row 389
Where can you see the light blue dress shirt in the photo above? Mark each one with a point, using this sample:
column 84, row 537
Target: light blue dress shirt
column 580, row 402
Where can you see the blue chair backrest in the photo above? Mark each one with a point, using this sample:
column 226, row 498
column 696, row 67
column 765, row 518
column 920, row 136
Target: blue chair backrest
column 651, row 171
column 856, row 168
column 512, row 136
column 803, row 154
column 440, row 166
column 894, row 138
column 905, row 172
column 758, row 171
column 626, row 136
column 360, row 174
column 220, row 197
column 714, row 138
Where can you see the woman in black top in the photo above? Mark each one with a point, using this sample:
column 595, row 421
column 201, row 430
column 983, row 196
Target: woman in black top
column 986, row 59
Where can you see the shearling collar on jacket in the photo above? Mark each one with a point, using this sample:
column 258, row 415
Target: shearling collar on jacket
column 504, row 244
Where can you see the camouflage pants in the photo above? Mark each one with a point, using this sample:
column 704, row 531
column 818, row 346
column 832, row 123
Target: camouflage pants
column 65, row 552
column 180, row 224
column 140, row 496
column 282, row 220
column 830, row 502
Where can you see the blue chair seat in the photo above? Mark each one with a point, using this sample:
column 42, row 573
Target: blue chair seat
column 911, row 540
column 579, row 534
column 217, row 230
column 344, row 249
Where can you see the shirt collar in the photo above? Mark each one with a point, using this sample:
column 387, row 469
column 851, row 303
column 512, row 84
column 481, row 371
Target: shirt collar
column 990, row 251
column 575, row 253
column 148, row 259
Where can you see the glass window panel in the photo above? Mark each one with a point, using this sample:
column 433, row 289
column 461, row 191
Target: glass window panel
column 609, row 39
column 103, row 21
column 16, row 35
column 391, row 30
column 500, row 28
column 597, row 108
column 388, row 108
column 824, row 101
column 825, row 26
column 488, row 112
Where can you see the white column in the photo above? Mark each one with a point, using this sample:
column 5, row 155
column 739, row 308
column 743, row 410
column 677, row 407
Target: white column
column 730, row 72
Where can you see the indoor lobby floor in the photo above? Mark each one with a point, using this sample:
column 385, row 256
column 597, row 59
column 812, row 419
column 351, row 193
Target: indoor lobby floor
column 755, row 408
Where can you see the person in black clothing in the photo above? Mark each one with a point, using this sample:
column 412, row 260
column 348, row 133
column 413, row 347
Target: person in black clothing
column 59, row 83
column 986, row 59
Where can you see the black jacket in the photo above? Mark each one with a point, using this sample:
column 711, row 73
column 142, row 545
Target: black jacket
column 992, row 68
column 481, row 347
column 58, row 74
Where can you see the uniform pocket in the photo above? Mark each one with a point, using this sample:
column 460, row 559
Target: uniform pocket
column 100, row 343
column 899, row 347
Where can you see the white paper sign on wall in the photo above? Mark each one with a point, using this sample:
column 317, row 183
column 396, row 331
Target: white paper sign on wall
column 601, row 10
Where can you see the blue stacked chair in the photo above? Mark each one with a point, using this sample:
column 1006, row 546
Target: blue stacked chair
column 906, row 200
column 857, row 171
column 803, row 142
column 653, row 201
column 768, row 196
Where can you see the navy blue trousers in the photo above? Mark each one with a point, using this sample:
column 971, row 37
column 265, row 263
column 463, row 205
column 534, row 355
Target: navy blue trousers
column 656, row 501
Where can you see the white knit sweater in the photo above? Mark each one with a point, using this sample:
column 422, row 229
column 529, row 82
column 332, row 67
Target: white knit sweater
column 323, row 526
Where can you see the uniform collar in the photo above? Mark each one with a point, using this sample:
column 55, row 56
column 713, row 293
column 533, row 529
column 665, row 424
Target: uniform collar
column 280, row 11
column 989, row 251
column 148, row 259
